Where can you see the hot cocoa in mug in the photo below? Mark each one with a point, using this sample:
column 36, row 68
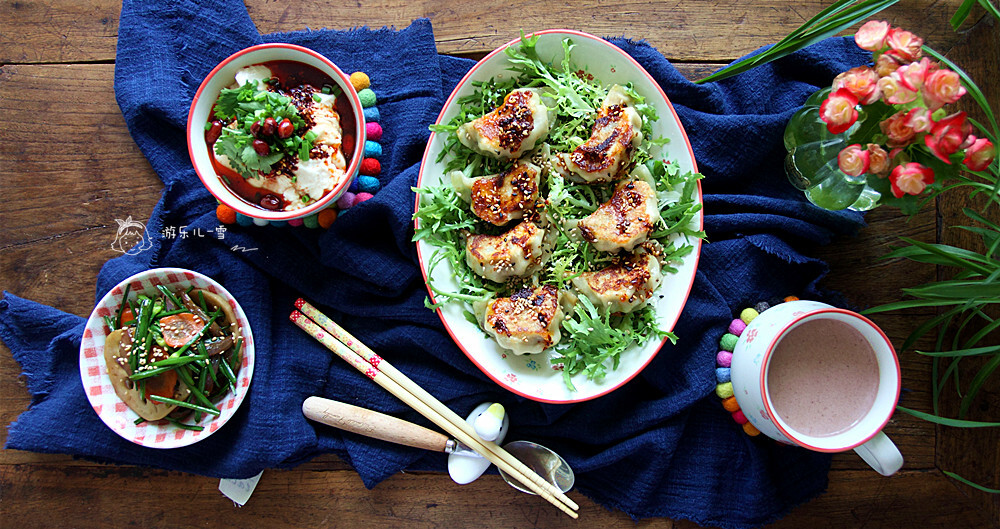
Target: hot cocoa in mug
column 823, row 378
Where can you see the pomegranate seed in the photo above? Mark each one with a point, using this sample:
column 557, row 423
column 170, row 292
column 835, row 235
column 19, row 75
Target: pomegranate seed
column 271, row 202
column 214, row 132
column 269, row 127
column 261, row 147
column 286, row 129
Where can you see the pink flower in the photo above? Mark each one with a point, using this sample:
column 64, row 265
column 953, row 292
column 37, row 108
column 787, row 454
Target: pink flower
column 861, row 81
column 871, row 35
column 941, row 88
column 838, row 111
column 980, row 155
column 947, row 135
column 853, row 160
column 912, row 75
column 897, row 128
column 886, row 64
column 878, row 160
column 893, row 92
column 910, row 179
column 919, row 119
column 906, row 45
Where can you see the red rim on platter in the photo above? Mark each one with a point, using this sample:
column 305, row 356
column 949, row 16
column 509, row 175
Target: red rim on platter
column 669, row 120
column 97, row 384
column 195, row 132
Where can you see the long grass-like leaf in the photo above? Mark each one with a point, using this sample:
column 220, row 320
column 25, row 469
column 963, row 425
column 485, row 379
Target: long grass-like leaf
column 926, row 327
column 990, row 8
column 955, row 476
column 981, row 333
column 956, row 289
column 977, row 384
column 964, row 352
column 828, row 22
column 963, row 13
column 957, row 423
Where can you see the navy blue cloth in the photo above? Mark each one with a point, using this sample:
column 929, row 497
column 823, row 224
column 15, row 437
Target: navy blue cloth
column 660, row 446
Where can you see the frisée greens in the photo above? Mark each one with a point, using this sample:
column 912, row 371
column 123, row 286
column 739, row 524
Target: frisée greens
column 593, row 339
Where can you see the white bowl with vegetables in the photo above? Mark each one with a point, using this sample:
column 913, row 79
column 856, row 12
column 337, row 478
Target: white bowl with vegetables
column 558, row 217
column 276, row 131
column 166, row 357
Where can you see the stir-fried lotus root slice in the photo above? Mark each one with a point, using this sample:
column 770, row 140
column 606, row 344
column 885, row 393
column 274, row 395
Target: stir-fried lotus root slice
column 606, row 154
column 512, row 129
column 116, row 358
column 214, row 301
column 625, row 220
column 500, row 198
column 525, row 323
column 517, row 253
column 624, row 286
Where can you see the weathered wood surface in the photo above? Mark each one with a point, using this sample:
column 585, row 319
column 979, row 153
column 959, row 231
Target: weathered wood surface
column 51, row 251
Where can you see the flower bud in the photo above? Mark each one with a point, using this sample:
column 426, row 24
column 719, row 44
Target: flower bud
column 878, row 160
column 942, row 87
column 871, row 35
column 980, row 155
column 862, row 82
column 910, row 179
column 905, row 44
column 838, row 111
column 893, row 92
column 853, row 160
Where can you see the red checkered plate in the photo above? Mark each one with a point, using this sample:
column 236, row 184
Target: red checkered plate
column 97, row 384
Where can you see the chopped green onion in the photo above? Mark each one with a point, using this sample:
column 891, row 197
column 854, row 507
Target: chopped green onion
column 184, row 426
column 201, row 300
column 170, row 295
column 121, row 308
column 182, row 372
column 317, row 98
column 183, row 404
column 138, row 421
column 228, row 371
column 194, row 339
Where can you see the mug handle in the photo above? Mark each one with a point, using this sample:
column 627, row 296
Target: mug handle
column 881, row 454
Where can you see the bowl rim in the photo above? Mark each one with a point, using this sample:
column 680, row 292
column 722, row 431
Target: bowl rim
column 352, row 168
column 88, row 341
column 697, row 243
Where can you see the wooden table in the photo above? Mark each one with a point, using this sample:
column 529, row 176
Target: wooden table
column 62, row 136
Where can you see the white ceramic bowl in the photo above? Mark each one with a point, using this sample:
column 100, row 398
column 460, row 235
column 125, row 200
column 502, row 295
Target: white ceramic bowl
column 534, row 376
column 221, row 77
column 97, row 384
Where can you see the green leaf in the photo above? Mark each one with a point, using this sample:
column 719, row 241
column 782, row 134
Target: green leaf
column 964, row 352
column 957, row 423
column 963, row 13
column 969, row 483
column 977, row 384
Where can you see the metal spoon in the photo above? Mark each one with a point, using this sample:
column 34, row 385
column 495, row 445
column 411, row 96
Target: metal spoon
column 548, row 464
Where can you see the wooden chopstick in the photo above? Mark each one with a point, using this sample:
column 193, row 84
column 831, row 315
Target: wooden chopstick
column 363, row 359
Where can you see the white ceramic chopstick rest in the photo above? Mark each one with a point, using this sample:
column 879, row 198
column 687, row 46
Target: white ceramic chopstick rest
column 465, row 467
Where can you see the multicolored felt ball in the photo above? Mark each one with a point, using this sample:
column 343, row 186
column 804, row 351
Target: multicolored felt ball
column 724, row 358
column 730, row 404
column 346, row 200
column 225, row 214
column 748, row 315
column 243, row 220
column 724, row 391
column 737, row 326
column 312, row 221
column 371, row 114
column 371, row 167
column 728, row 342
column 360, row 80
column 367, row 184
column 367, row 97
column 361, row 197
column 722, row 375
column 373, row 131
column 295, row 223
column 372, row 149
column 326, row 217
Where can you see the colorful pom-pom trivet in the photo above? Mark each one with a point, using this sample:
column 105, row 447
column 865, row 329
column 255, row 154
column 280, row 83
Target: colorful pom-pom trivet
column 724, row 362
column 360, row 80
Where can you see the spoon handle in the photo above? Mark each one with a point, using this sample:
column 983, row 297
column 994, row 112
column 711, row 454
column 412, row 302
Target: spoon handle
column 372, row 424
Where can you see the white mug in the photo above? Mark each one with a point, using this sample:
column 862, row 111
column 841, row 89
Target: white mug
column 751, row 361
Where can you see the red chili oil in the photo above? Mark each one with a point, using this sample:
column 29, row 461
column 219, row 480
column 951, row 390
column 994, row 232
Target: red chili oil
column 285, row 75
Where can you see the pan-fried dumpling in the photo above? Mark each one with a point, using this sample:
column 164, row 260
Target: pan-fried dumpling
column 624, row 286
column 607, row 152
column 511, row 130
column 525, row 323
column 503, row 197
column 625, row 220
column 517, row 253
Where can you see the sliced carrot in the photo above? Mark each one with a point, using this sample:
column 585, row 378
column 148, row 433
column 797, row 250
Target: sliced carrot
column 178, row 329
column 127, row 315
column 162, row 385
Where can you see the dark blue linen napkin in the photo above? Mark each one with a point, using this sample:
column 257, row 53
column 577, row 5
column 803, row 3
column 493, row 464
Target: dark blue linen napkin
column 660, row 446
